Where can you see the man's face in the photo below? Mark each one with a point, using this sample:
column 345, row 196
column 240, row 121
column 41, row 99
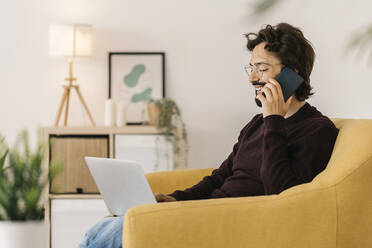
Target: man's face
column 264, row 65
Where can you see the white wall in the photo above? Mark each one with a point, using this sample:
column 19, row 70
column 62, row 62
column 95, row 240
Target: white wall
column 205, row 52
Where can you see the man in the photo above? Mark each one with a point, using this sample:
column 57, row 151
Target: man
column 288, row 144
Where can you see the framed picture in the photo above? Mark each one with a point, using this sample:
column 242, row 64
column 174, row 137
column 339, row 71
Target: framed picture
column 134, row 78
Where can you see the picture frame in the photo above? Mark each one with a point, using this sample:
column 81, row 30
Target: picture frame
column 134, row 78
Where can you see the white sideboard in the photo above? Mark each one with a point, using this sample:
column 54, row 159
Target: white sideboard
column 69, row 214
column 152, row 151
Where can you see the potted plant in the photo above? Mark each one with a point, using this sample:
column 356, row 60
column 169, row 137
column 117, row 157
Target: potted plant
column 166, row 116
column 22, row 182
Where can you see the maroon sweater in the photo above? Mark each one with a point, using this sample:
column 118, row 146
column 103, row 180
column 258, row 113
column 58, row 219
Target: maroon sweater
column 272, row 154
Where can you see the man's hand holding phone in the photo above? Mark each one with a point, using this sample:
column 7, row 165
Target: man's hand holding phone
column 273, row 103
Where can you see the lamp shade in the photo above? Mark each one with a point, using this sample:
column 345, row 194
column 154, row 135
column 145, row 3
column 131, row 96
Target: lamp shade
column 70, row 40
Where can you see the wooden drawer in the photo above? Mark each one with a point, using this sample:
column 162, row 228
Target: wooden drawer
column 72, row 150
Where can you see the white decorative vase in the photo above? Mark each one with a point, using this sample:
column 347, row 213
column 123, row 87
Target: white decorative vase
column 121, row 118
column 21, row 234
column 110, row 113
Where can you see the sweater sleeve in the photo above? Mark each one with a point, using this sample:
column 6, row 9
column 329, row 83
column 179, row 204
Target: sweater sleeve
column 204, row 188
column 281, row 168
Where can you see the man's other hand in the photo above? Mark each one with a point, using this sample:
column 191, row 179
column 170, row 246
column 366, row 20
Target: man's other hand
column 164, row 198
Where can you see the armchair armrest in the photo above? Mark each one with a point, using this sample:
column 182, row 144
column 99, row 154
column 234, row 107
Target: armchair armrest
column 167, row 182
column 301, row 218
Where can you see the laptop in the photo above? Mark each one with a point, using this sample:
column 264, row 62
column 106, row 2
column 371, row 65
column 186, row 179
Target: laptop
column 122, row 183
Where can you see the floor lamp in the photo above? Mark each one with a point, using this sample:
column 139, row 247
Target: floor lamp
column 71, row 41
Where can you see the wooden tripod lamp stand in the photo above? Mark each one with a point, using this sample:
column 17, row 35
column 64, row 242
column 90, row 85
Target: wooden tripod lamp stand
column 66, row 98
column 70, row 41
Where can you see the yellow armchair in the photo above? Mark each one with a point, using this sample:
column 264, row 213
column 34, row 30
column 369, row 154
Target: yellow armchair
column 334, row 210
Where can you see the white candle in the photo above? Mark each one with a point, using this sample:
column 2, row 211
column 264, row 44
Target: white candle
column 110, row 113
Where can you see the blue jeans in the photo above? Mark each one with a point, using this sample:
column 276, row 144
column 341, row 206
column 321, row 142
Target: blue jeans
column 106, row 233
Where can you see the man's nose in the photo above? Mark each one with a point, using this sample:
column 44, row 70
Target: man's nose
column 253, row 77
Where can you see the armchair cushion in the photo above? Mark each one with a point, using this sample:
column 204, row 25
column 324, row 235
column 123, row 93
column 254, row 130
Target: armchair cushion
column 167, row 181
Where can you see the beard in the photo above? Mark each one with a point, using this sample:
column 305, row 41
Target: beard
column 257, row 101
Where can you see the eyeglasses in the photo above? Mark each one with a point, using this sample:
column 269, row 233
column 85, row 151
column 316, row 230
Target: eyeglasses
column 259, row 69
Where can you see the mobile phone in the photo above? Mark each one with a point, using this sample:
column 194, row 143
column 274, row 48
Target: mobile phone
column 289, row 81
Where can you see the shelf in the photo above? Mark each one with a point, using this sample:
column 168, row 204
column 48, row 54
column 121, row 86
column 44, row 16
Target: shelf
column 145, row 129
column 75, row 196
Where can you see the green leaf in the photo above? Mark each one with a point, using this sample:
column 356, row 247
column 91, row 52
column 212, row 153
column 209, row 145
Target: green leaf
column 3, row 153
column 361, row 42
column 2, row 160
column 262, row 6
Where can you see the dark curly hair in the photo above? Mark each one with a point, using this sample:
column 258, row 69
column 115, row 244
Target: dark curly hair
column 292, row 49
